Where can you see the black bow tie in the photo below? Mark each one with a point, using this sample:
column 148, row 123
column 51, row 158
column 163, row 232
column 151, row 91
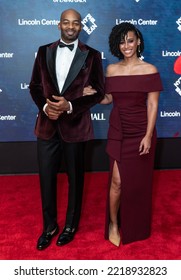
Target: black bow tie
column 71, row 46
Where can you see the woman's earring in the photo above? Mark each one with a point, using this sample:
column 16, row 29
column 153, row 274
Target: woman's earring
column 139, row 51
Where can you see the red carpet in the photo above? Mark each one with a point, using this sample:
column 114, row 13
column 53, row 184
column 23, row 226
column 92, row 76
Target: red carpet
column 20, row 221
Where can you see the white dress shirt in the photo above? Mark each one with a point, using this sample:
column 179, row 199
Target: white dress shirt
column 64, row 58
column 63, row 62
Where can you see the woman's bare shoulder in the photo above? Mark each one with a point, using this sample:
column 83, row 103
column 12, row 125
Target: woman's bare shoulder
column 111, row 69
column 149, row 68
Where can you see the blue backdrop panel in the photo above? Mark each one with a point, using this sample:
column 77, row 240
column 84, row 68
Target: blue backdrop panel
column 26, row 25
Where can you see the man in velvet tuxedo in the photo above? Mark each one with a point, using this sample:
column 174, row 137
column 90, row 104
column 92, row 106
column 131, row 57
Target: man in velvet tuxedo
column 64, row 125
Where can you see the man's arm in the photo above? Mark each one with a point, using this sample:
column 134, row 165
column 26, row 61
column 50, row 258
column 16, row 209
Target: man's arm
column 96, row 80
column 36, row 89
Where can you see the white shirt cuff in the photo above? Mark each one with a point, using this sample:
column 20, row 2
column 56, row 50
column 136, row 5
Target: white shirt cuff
column 44, row 107
column 71, row 108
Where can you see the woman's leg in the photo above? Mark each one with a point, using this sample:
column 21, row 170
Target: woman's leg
column 114, row 196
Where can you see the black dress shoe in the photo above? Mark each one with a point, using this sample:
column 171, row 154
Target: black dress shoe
column 66, row 236
column 45, row 239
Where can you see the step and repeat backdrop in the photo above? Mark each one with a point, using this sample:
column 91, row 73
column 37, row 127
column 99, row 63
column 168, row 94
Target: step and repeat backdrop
column 25, row 25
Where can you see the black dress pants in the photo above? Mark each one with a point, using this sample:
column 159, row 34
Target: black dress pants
column 50, row 153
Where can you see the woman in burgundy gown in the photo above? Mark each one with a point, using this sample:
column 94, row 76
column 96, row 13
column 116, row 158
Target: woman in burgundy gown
column 133, row 86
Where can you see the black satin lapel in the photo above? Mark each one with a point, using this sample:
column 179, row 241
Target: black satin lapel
column 50, row 59
column 77, row 64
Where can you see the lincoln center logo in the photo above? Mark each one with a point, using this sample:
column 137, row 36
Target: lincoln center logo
column 177, row 70
column 89, row 24
column 177, row 85
column 179, row 24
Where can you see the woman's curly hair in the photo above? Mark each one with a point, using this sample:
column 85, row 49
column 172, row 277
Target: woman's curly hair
column 118, row 33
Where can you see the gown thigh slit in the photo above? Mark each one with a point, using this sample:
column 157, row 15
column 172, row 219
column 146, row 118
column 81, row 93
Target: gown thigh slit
column 114, row 194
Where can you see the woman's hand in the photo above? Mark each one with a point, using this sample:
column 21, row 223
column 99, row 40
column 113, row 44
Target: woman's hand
column 89, row 91
column 145, row 146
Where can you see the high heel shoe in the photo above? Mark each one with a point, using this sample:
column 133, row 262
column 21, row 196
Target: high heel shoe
column 114, row 237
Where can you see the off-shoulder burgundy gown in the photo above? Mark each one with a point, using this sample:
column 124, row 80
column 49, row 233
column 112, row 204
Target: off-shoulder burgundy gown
column 127, row 127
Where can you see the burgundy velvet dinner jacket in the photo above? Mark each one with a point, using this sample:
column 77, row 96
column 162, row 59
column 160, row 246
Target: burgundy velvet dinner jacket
column 86, row 69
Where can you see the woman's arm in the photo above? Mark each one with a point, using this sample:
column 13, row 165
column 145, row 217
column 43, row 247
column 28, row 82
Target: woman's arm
column 107, row 97
column 152, row 109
